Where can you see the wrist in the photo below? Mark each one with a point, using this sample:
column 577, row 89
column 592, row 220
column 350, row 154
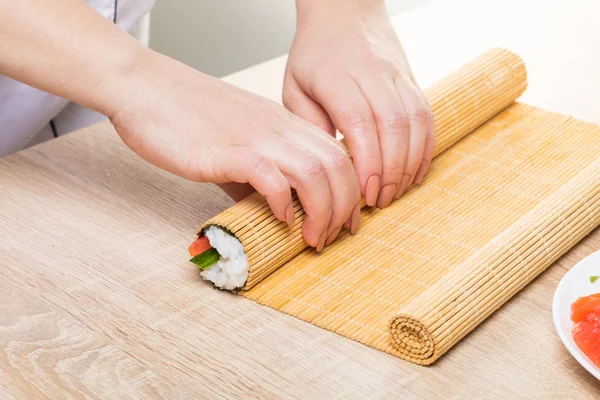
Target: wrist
column 123, row 78
column 151, row 81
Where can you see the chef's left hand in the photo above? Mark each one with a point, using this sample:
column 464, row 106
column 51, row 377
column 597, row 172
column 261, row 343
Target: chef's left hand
column 347, row 71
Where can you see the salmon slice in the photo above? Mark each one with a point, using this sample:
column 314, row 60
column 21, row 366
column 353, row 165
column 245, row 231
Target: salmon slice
column 584, row 306
column 585, row 313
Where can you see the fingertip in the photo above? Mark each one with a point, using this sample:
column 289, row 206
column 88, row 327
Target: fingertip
column 387, row 195
column 419, row 177
column 403, row 185
column 311, row 232
column 321, row 243
column 290, row 217
column 423, row 169
column 333, row 236
column 372, row 190
column 413, row 175
column 355, row 219
column 348, row 223
column 279, row 208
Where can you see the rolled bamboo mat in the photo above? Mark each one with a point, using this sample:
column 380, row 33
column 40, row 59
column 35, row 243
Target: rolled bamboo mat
column 498, row 206
column 460, row 103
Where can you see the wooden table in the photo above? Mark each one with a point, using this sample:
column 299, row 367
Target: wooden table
column 98, row 299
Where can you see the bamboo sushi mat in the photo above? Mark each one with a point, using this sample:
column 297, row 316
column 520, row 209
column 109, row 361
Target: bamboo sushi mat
column 511, row 189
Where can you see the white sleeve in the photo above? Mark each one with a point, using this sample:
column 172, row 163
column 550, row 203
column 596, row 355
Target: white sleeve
column 28, row 115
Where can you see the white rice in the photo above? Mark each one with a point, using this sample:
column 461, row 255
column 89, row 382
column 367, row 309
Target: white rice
column 231, row 271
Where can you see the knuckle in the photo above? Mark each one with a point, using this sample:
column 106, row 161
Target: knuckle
column 373, row 56
column 312, row 166
column 429, row 113
column 412, row 167
column 394, row 168
column 339, row 158
column 279, row 189
column 419, row 114
column 261, row 165
column 395, row 122
column 380, row 61
column 357, row 121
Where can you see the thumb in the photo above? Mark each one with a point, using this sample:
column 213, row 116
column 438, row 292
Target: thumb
column 244, row 165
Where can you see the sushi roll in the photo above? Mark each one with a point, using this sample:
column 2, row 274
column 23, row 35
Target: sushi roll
column 245, row 243
column 221, row 258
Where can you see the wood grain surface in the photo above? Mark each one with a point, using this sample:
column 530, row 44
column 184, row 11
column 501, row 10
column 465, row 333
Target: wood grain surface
column 99, row 301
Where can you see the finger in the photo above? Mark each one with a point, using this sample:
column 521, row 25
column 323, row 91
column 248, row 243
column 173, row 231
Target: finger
column 347, row 107
column 429, row 148
column 299, row 103
column 348, row 223
column 354, row 220
column 393, row 130
column 244, row 165
column 343, row 184
column 305, row 172
column 418, row 117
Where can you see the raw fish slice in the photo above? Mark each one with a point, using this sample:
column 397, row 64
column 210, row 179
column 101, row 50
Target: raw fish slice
column 585, row 312
column 584, row 306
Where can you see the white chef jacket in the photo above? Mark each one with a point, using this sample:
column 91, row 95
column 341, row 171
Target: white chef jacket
column 29, row 116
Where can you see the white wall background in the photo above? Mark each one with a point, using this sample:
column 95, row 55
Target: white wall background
column 219, row 37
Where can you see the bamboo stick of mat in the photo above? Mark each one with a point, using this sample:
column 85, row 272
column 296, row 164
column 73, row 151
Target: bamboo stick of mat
column 460, row 103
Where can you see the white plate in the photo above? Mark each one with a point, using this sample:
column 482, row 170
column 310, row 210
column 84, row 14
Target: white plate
column 576, row 283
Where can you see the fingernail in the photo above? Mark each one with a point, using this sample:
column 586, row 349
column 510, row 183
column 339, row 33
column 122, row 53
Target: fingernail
column 421, row 173
column 348, row 223
column 321, row 243
column 419, row 178
column 400, row 191
column 386, row 195
column 372, row 190
column 333, row 235
column 411, row 181
column 402, row 187
column 289, row 214
column 355, row 219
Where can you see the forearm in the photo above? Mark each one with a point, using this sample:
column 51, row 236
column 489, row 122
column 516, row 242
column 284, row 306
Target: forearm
column 65, row 48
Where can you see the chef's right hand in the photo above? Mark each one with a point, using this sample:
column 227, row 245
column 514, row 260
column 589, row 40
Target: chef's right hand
column 205, row 130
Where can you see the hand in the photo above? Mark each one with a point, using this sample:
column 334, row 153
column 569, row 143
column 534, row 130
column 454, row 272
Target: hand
column 177, row 118
column 205, row 130
column 347, row 70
